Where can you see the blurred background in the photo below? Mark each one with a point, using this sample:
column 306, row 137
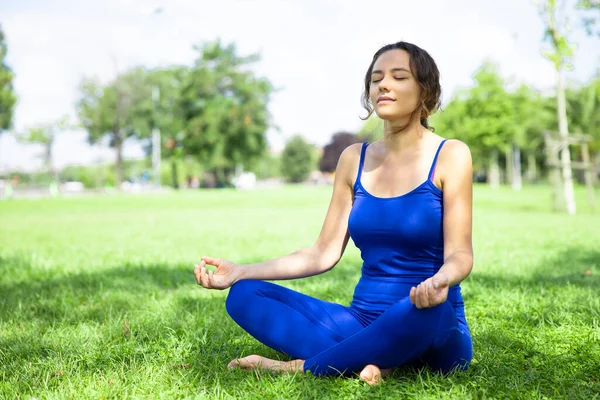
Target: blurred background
column 134, row 95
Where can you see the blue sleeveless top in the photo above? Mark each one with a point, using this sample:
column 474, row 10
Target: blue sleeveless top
column 401, row 240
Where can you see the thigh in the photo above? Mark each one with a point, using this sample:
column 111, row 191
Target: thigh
column 287, row 320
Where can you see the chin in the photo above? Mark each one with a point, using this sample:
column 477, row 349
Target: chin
column 389, row 116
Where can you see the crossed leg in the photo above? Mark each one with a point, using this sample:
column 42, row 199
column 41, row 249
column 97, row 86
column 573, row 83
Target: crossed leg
column 326, row 339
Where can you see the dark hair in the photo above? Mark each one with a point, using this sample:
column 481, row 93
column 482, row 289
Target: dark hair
column 426, row 72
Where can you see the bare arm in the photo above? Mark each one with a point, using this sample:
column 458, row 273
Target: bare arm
column 320, row 257
column 458, row 211
column 457, row 188
column 331, row 243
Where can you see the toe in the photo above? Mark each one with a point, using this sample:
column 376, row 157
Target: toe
column 371, row 374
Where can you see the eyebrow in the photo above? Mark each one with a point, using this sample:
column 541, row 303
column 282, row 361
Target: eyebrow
column 393, row 70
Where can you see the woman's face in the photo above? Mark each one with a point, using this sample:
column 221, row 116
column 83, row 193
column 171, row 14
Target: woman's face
column 394, row 90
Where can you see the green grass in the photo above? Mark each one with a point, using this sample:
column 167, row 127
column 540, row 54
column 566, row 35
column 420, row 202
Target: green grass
column 98, row 299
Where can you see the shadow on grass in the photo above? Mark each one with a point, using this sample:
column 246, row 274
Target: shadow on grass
column 196, row 338
column 85, row 295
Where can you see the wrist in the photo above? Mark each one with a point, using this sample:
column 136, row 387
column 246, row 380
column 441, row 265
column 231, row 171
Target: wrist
column 242, row 272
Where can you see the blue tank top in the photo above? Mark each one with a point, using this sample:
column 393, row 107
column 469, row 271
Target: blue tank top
column 401, row 240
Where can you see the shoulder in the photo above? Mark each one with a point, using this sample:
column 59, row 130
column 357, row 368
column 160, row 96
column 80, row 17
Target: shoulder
column 351, row 153
column 349, row 160
column 455, row 153
column 454, row 163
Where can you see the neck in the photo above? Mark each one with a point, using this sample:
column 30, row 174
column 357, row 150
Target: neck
column 397, row 135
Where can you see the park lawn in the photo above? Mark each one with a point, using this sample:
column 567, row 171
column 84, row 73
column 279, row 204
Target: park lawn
column 98, row 299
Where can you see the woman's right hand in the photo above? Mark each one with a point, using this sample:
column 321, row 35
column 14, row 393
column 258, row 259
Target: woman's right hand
column 227, row 273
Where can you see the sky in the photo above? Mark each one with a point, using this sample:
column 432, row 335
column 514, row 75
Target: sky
column 315, row 52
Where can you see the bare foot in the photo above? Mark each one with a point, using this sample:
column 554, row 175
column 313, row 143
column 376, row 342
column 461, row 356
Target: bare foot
column 259, row 362
column 372, row 375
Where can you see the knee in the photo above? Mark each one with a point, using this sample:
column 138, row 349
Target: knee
column 239, row 297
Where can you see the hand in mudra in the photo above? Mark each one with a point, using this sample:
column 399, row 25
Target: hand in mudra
column 227, row 273
column 430, row 292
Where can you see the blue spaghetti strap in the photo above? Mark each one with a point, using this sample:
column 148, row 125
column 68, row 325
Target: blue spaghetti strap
column 361, row 162
column 432, row 169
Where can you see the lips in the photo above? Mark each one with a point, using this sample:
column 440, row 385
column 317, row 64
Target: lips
column 384, row 98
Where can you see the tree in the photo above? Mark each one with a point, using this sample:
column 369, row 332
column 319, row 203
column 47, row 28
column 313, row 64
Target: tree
column 116, row 110
column 583, row 111
column 224, row 106
column 483, row 117
column 7, row 93
column 559, row 55
column 533, row 115
column 45, row 135
column 333, row 150
column 297, row 159
column 583, row 106
column 164, row 113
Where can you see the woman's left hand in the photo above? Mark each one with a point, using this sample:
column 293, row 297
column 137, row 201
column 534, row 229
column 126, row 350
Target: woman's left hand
column 430, row 292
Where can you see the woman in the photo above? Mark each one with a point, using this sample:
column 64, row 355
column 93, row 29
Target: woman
column 406, row 202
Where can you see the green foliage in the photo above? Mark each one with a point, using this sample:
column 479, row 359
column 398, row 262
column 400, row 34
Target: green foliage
column 588, row 12
column 224, row 106
column 184, row 169
column 8, row 98
column 269, row 166
column 488, row 117
column 482, row 116
column 92, row 177
column 99, row 299
column 45, row 135
column 118, row 110
column 583, row 110
column 297, row 159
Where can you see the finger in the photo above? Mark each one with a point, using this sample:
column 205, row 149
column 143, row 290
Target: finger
column 413, row 290
column 418, row 294
column 427, row 295
column 423, row 301
column 211, row 279
column 210, row 260
column 204, row 277
column 197, row 273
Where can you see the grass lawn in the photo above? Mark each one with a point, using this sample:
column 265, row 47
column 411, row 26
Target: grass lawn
column 98, row 298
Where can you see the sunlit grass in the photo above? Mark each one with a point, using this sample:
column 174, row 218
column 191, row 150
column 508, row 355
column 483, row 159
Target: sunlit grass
column 98, row 300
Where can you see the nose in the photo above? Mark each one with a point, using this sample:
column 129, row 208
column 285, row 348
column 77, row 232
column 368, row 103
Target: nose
column 384, row 85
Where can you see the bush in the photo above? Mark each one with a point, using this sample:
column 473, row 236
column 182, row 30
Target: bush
column 297, row 159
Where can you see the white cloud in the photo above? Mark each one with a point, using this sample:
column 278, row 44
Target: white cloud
column 315, row 51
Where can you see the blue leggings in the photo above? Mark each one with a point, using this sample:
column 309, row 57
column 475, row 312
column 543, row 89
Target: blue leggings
column 333, row 342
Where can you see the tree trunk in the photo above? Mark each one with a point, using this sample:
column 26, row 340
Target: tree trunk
column 531, row 167
column 558, row 193
column 118, row 163
column 494, row 170
column 174, row 176
column 595, row 167
column 516, row 167
column 588, row 172
column 565, row 155
column 508, row 158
